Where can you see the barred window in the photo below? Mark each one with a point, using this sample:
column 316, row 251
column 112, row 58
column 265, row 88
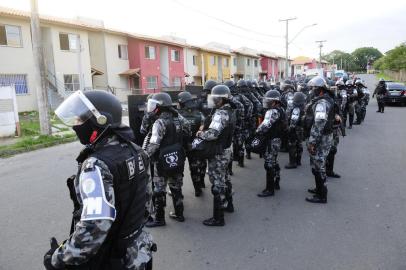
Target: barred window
column 71, row 82
column 18, row 80
column 152, row 82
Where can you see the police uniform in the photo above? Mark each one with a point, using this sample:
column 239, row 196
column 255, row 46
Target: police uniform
column 111, row 191
column 252, row 122
column 296, row 136
column 196, row 120
column 350, row 108
column 168, row 129
column 271, row 128
column 221, row 131
column 321, row 138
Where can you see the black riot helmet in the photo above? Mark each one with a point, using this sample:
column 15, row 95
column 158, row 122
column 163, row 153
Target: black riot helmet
column 161, row 101
column 299, row 99
column 209, row 84
column 90, row 114
column 359, row 83
column 264, row 86
column 220, row 94
column 287, row 85
column 318, row 85
column 241, row 83
column 340, row 84
column 249, row 83
column 255, row 84
column 184, row 97
column 270, row 97
column 349, row 83
column 229, row 83
column 381, row 81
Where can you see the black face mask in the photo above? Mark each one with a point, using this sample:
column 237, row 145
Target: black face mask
column 84, row 132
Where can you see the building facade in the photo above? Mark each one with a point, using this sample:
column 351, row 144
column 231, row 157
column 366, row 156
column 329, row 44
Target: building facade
column 248, row 64
column 269, row 65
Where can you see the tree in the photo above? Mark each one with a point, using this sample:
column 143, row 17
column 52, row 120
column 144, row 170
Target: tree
column 364, row 55
column 342, row 59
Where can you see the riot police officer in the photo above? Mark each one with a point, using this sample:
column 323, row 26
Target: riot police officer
column 220, row 131
column 189, row 110
column 248, row 108
column 250, row 115
column 110, row 190
column 319, row 122
column 295, row 131
column 380, row 92
column 288, row 91
column 166, row 150
column 351, row 100
column 271, row 130
column 360, row 105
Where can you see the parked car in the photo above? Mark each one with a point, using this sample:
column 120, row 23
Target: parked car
column 395, row 93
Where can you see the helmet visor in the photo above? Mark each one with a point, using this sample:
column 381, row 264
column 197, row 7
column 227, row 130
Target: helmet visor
column 76, row 109
column 152, row 105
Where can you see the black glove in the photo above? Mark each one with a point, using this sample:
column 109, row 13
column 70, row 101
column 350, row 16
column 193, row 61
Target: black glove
column 48, row 255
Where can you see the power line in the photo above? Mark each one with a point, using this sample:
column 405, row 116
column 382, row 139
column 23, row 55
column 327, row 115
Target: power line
column 224, row 21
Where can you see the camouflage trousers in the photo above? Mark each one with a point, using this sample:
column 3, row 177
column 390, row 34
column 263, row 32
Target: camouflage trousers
column 335, row 142
column 271, row 155
column 217, row 173
column 318, row 161
column 160, row 182
column 238, row 145
column 197, row 167
column 139, row 253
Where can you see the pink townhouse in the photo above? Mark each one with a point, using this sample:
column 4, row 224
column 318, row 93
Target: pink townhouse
column 154, row 64
column 269, row 66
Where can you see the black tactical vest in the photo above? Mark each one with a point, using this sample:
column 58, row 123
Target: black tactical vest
column 226, row 136
column 278, row 127
column 309, row 116
column 194, row 117
column 128, row 165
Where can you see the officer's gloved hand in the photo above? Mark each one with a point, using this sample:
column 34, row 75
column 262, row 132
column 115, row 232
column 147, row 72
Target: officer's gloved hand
column 48, row 255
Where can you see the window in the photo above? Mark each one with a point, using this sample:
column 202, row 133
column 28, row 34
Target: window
column 194, row 60
column 177, row 81
column 68, row 42
column 19, row 81
column 298, row 67
column 226, row 62
column 234, row 61
column 150, row 52
column 152, row 82
column 256, row 62
column 10, row 35
column 248, row 62
column 213, row 60
column 71, row 82
column 123, row 52
column 175, row 55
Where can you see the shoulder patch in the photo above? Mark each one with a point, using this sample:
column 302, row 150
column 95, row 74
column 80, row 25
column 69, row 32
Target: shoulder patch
column 95, row 204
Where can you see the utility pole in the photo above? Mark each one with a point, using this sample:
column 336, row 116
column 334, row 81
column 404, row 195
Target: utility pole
column 320, row 46
column 39, row 71
column 287, row 43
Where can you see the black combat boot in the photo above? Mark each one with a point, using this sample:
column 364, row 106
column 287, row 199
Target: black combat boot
column 197, row 186
column 321, row 191
column 299, row 158
column 177, row 205
column 330, row 166
column 292, row 158
column 229, row 198
column 248, row 156
column 351, row 120
column 159, row 219
column 241, row 161
column 230, row 168
column 218, row 215
column 202, row 184
column 270, row 188
column 313, row 190
column 277, row 177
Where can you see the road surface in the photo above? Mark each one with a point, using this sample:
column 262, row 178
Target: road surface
column 363, row 226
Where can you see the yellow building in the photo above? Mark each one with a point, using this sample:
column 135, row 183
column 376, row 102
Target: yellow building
column 214, row 64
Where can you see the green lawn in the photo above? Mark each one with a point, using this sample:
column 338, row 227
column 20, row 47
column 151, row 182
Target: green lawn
column 384, row 76
column 31, row 138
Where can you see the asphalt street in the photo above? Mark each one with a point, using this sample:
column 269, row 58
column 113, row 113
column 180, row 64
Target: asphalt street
column 363, row 226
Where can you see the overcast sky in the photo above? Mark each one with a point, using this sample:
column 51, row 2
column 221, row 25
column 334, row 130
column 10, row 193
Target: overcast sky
column 345, row 24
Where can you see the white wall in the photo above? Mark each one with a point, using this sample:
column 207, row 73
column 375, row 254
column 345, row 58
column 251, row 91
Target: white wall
column 98, row 58
column 233, row 69
column 67, row 62
column 164, row 65
column 115, row 65
column 192, row 70
column 19, row 60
